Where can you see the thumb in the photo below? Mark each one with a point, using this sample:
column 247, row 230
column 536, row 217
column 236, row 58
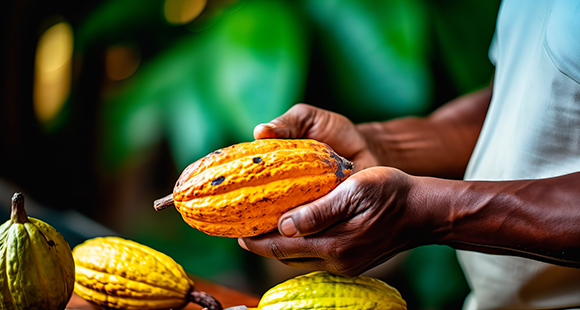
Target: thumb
column 312, row 217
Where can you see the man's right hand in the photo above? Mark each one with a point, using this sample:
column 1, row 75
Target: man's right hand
column 305, row 121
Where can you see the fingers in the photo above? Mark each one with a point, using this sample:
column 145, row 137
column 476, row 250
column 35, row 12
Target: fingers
column 313, row 217
column 273, row 245
column 290, row 125
column 270, row 130
column 304, row 220
column 301, row 252
column 347, row 231
column 305, row 121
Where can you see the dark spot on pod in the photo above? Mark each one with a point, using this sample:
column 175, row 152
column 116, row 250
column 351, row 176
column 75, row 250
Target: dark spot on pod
column 257, row 160
column 50, row 242
column 341, row 165
column 177, row 183
column 218, row 180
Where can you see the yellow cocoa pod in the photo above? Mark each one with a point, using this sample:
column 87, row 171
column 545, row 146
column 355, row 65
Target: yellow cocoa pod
column 117, row 273
column 323, row 290
column 242, row 190
column 37, row 268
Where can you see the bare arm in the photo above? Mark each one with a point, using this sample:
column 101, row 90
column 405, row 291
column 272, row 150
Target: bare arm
column 538, row 219
column 439, row 145
column 388, row 210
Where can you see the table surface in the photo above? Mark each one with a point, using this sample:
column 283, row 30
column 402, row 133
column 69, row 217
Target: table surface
column 228, row 297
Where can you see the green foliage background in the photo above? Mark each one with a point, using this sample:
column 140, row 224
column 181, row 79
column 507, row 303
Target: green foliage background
column 207, row 84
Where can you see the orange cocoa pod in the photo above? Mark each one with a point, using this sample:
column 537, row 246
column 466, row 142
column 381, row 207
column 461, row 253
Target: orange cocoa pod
column 242, row 190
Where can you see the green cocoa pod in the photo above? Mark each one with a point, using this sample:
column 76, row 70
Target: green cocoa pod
column 323, row 290
column 36, row 264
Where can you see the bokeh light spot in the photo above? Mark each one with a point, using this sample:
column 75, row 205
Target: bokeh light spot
column 179, row 12
column 121, row 61
column 52, row 71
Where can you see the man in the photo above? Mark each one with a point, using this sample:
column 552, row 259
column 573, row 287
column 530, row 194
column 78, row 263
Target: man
column 516, row 215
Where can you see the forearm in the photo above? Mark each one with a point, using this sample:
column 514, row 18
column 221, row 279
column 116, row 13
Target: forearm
column 438, row 145
column 538, row 219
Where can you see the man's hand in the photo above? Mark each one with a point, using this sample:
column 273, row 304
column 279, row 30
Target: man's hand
column 360, row 224
column 357, row 226
column 305, row 121
column 379, row 211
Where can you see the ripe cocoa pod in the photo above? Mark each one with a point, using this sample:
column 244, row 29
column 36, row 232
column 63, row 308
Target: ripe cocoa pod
column 242, row 190
column 117, row 273
column 323, row 290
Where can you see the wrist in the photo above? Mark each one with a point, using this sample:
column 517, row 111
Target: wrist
column 380, row 142
column 430, row 201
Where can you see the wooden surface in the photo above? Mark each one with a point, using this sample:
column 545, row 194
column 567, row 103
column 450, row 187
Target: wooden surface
column 226, row 296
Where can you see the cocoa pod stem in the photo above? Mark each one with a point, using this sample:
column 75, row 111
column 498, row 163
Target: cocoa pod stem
column 18, row 214
column 205, row 300
column 163, row 203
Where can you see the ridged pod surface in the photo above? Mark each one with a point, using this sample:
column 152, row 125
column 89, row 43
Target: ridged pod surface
column 116, row 273
column 36, row 268
column 322, row 290
column 242, row 190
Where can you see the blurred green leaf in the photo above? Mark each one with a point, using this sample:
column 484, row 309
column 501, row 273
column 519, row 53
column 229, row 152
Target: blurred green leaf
column 378, row 53
column 191, row 129
column 257, row 64
column 130, row 125
column 211, row 88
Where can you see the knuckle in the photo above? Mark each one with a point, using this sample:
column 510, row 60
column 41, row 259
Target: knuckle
column 275, row 251
column 311, row 217
column 302, row 107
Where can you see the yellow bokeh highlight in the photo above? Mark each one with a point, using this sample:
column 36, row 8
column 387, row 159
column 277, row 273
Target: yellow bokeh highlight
column 52, row 71
column 121, row 61
column 179, row 12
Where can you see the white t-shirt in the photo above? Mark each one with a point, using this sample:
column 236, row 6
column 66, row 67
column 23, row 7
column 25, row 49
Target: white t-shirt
column 532, row 131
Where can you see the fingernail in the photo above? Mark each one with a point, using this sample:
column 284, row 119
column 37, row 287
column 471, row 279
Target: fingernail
column 242, row 244
column 287, row 228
